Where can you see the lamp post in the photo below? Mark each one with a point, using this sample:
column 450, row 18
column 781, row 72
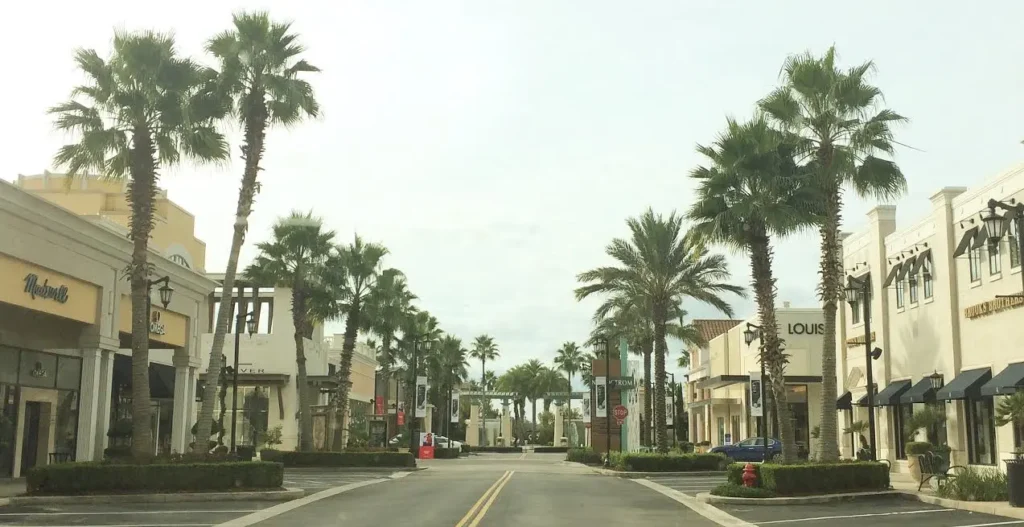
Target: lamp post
column 607, row 399
column 675, row 414
column 166, row 292
column 860, row 290
column 750, row 334
column 996, row 227
column 413, row 430
column 250, row 321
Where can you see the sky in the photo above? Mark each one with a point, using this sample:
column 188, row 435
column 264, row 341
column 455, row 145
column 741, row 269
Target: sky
column 496, row 147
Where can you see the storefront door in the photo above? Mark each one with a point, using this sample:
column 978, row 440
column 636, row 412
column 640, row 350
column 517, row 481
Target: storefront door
column 8, row 428
column 30, row 435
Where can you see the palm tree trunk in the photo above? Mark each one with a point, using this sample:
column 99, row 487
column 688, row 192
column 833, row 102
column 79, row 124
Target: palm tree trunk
column 301, row 382
column 533, row 426
column 141, row 197
column 345, row 369
column 252, row 152
column 483, row 399
column 831, row 286
column 775, row 363
column 648, row 349
column 660, row 349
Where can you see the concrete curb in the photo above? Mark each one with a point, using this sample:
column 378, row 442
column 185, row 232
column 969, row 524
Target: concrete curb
column 183, row 497
column 643, row 475
column 5, row 502
column 354, row 469
column 704, row 497
column 995, row 508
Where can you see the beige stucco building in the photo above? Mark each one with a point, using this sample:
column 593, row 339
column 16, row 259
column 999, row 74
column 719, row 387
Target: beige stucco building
column 64, row 331
column 937, row 318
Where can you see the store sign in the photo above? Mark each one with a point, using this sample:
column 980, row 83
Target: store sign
column 155, row 326
column 38, row 371
column 44, row 290
column 250, row 369
column 993, row 306
column 801, row 328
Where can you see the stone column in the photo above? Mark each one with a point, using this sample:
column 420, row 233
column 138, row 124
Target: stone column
column 506, row 423
column 428, row 420
column 473, row 429
column 89, row 423
column 103, row 402
column 184, row 394
column 558, row 425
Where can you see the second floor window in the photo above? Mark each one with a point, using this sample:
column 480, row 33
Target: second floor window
column 912, row 281
column 926, row 278
column 995, row 263
column 974, row 263
column 899, row 294
column 1014, row 244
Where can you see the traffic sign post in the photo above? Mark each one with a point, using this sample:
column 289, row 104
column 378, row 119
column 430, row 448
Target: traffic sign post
column 620, row 412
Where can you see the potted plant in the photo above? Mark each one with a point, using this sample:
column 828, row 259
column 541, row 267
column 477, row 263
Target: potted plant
column 1011, row 411
column 857, row 429
column 915, row 450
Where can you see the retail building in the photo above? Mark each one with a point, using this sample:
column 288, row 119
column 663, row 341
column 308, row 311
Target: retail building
column 948, row 335
column 65, row 323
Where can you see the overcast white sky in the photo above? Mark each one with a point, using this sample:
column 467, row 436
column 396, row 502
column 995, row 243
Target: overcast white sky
column 495, row 147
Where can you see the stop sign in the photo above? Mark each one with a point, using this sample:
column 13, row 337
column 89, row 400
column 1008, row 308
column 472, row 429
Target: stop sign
column 620, row 412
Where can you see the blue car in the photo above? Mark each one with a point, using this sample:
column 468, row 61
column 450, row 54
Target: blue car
column 751, row 449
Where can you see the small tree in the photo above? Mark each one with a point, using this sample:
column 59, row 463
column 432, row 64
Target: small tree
column 1011, row 411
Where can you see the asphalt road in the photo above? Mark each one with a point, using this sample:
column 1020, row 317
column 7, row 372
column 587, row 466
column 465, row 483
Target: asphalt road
column 690, row 485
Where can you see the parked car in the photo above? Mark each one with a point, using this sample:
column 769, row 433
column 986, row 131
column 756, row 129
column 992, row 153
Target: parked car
column 439, row 441
column 751, row 449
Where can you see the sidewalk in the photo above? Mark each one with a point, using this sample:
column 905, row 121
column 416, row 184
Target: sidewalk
column 11, row 487
column 906, row 485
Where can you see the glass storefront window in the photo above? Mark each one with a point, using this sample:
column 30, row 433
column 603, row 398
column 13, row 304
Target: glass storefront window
column 66, row 432
column 981, row 431
column 69, row 373
column 8, row 425
column 37, row 369
column 8, row 366
column 900, row 415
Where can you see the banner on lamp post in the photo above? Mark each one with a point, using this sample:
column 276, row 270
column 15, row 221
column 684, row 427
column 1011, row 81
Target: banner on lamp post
column 601, row 396
column 455, row 406
column 756, row 402
column 586, row 410
column 421, row 396
column 671, row 412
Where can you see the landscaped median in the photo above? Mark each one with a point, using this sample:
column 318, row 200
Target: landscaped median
column 587, row 456
column 379, row 459
column 653, row 462
column 781, row 484
column 115, row 478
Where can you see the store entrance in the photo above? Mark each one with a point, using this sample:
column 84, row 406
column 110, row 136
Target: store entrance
column 31, row 435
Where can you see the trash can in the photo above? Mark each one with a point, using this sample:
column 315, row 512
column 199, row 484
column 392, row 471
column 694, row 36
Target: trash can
column 1015, row 481
column 246, row 453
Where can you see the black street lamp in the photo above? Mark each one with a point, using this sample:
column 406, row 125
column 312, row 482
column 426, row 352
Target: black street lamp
column 859, row 290
column 166, row 292
column 996, row 226
column 413, row 430
column 675, row 414
column 251, row 321
column 607, row 399
column 750, row 334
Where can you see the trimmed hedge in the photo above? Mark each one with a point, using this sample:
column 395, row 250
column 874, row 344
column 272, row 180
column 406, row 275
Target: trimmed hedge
column 550, row 449
column 466, row 448
column 733, row 490
column 340, row 459
column 652, row 462
column 824, row 478
column 88, row 478
column 497, row 449
column 586, row 456
column 446, row 453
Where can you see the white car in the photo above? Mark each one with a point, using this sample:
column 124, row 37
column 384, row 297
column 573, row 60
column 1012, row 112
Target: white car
column 444, row 442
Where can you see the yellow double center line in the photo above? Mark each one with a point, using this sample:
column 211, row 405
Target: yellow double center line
column 476, row 513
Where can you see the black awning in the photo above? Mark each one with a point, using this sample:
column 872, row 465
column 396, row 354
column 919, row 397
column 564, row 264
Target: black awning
column 892, row 275
column 890, row 396
column 921, row 392
column 967, row 385
column 926, row 255
column 161, row 377
column 965, row 242
column 908, row 264
column 863, row 401
column 1008, row 381
column 845, row 401
column 980, row 239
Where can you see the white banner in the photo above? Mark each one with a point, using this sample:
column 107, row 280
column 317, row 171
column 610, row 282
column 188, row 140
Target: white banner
column 586, row 410
column 670, row 411
column 455, row 406
column 756, row 395
column 601, row 396
column 421, row 396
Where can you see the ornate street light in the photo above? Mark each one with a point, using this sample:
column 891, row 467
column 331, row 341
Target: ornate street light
column 859, row 290
column 936, row 379
column 751, row 333
column 996, row 227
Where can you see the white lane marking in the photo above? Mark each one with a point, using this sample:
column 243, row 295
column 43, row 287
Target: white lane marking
column 708, row 511
column 115, row 513
column 868, row 515
column 261, row 515
column 990, row 524
column 139, row 525
column 399, row 475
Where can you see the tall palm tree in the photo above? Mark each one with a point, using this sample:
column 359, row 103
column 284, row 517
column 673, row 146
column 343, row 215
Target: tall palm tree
column 356, row 268
column 447, row 366
column 662, row 264
column 259, row 75
column 753, row 191
column 297, row 257
column 845, row 137
column 484, row 349
column 142, row 109
column 569, row 359
column 518, row 382
column 418, row 329
column 533, row 371
column 386, row 306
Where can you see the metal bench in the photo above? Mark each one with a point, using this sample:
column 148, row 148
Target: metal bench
column 934, row 466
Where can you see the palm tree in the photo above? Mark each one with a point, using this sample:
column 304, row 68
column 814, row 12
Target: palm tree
column 141, row 110
column 296, row 257
column 533, row 371
column 751, row 192
column 447, row 365
column 386, row 305
column 843, row 133
column 418, row 328
column 663, row 265
column 356, row 269
column 259, row 76
column 484, row 349
column 570, row 360
column 518, row 382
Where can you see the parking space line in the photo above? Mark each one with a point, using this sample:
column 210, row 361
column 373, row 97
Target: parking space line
column 996, row 523
column 115, row 513
column 708, row 511
column 263, row 514
column 868, row 515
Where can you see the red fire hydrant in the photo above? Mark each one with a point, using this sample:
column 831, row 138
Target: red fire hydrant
column 749, row 476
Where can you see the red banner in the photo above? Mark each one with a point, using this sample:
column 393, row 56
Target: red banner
column 379, row 410
column 401, row 418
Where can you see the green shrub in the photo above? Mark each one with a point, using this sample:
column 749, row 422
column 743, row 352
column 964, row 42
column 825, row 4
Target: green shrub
column 918, row 448
column 85, row 478
column 686, row 447
column 497, row 449
column 118, row 452
column 733, row 490
column 465, row 448
column 446, row 453
column 824, row 478
column 653, row 462
column 734, row 473
column 550, row 449
column 340, row 459
column 587, row 456
column 371, row 449
column 972, row 484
